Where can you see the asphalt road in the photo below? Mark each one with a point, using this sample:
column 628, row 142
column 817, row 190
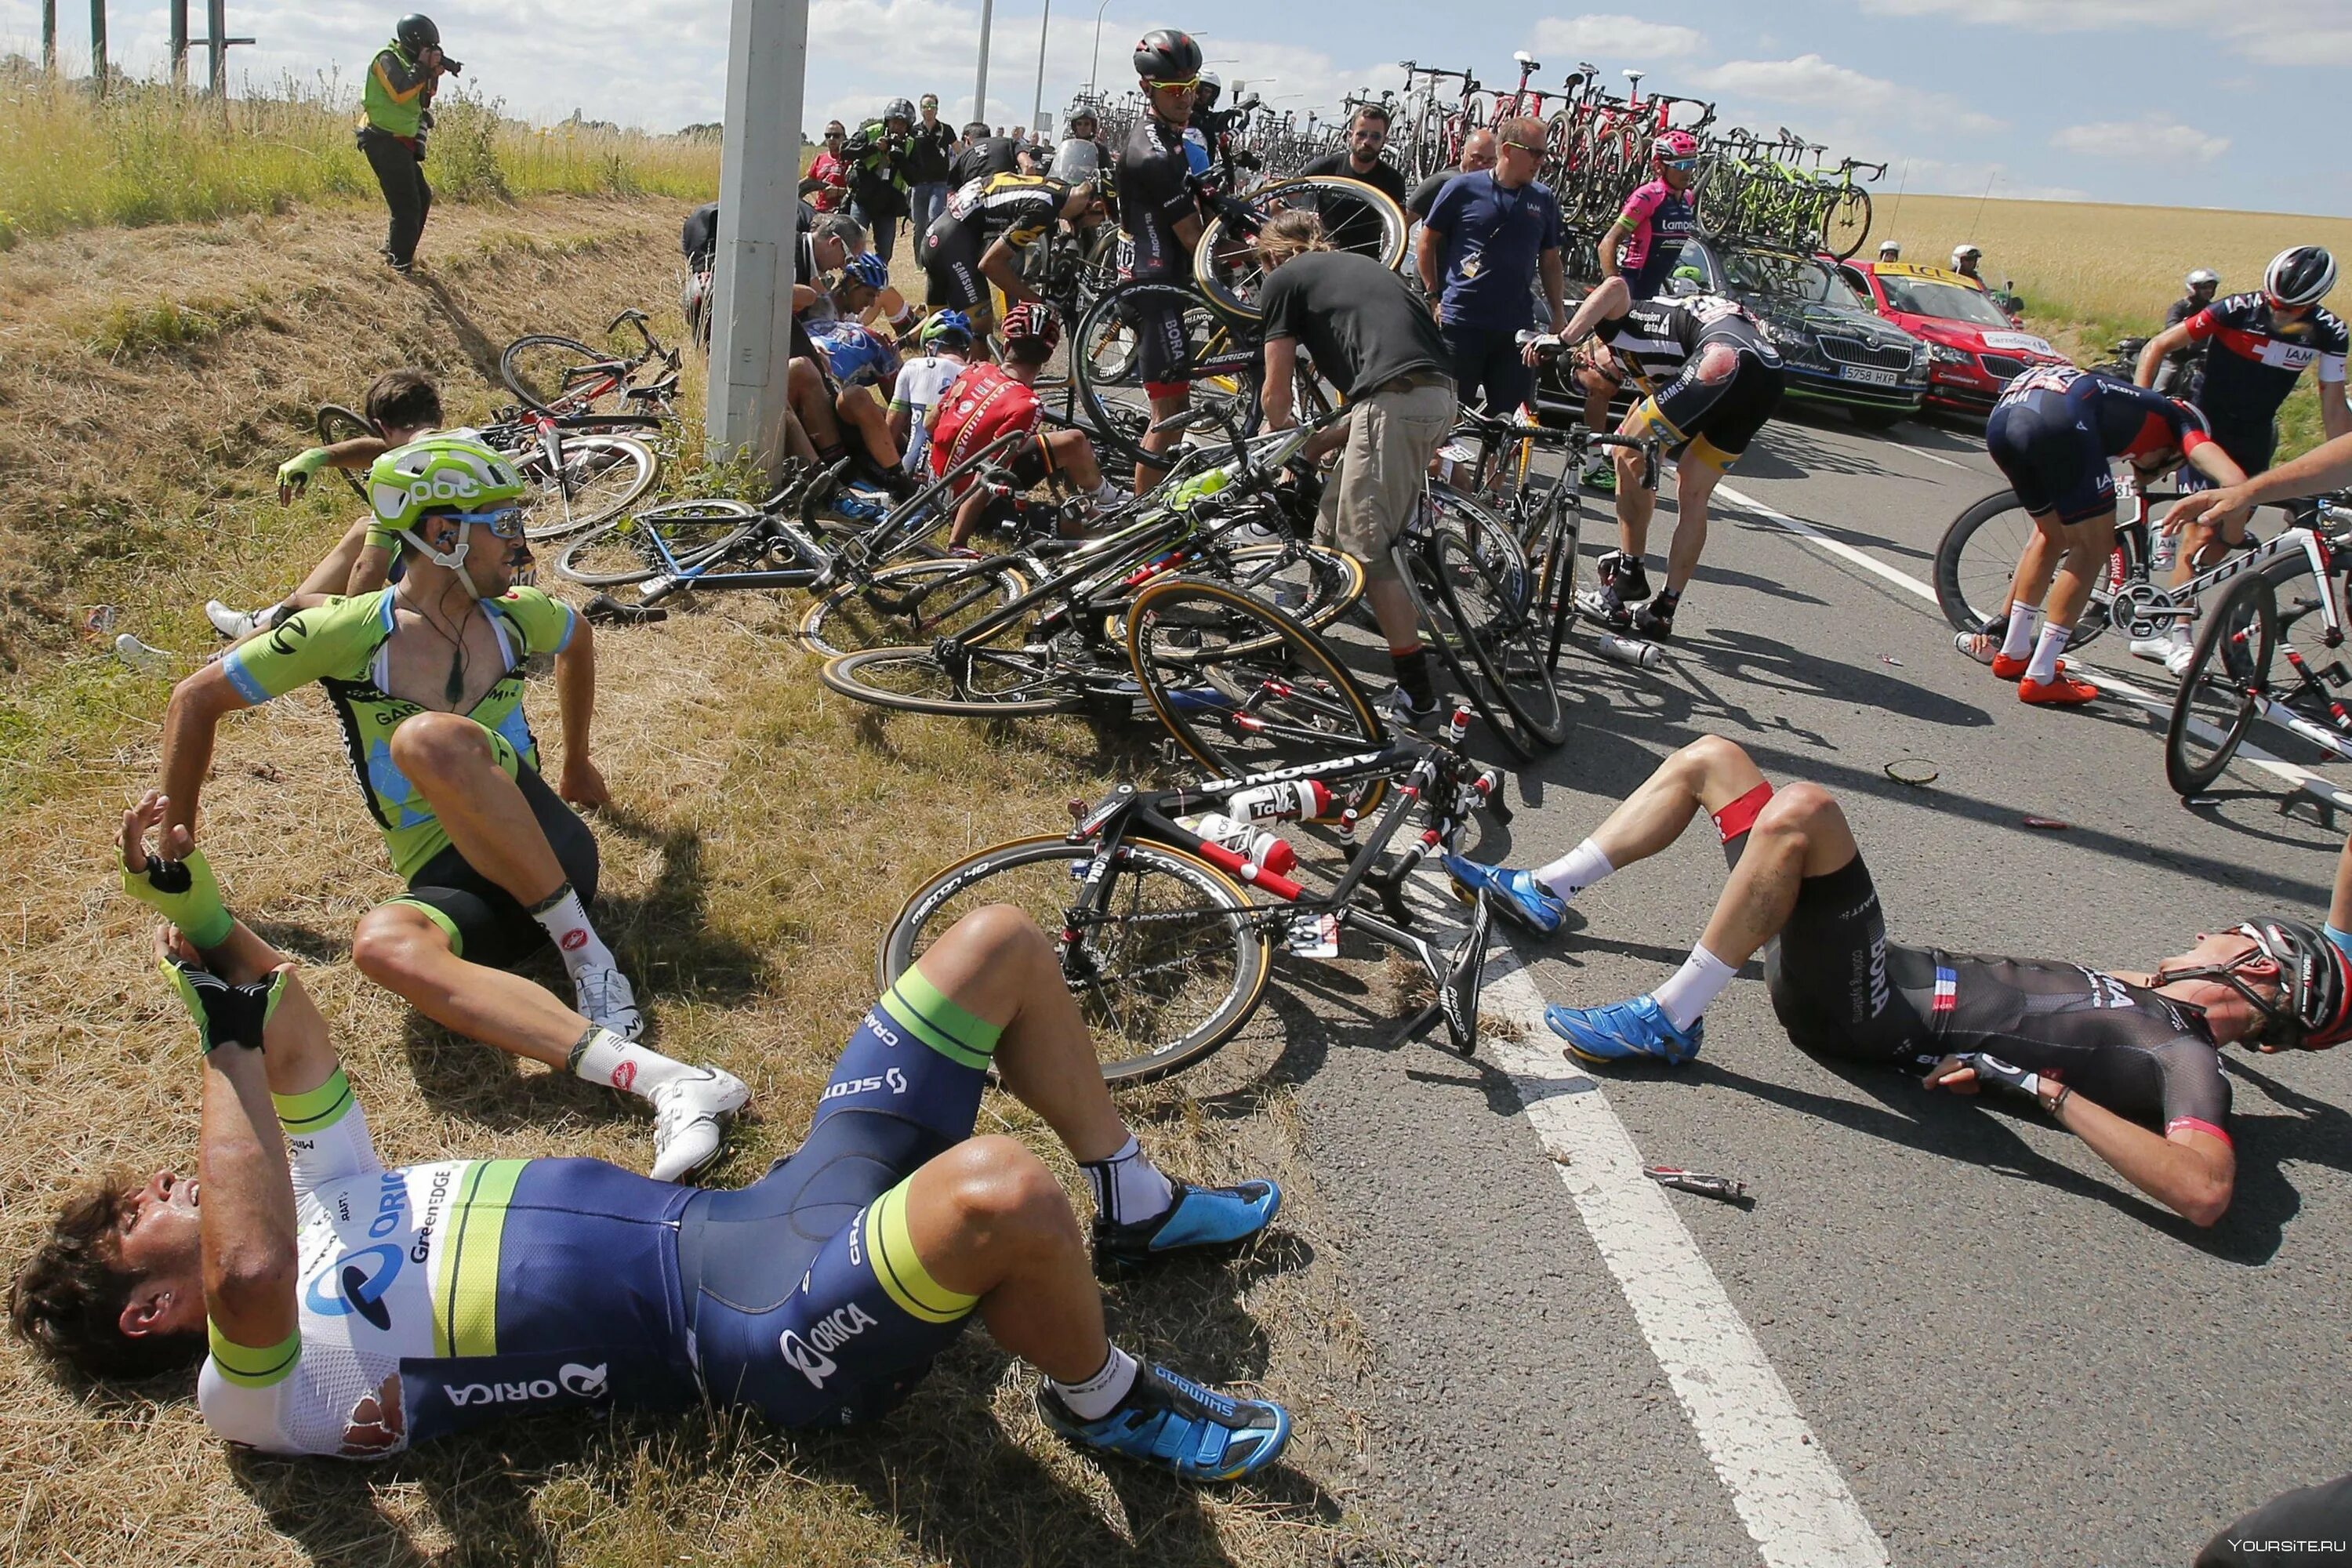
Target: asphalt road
column 2006, row 1355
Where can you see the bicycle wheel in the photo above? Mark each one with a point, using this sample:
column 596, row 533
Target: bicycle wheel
column 534, row 369
column 1223, row 364
column 1243, row 687
column 1443, row 621
column 1716, row 197
column 983, row 683
column 1310, row 584
column 1977, row 557
column 630, row 549
column 1555, row 579
column 906, row 604
column 1848, row 223
column 336, row 424
column 2222, row 689
column 1166, row 961
column 602, row 475
column 1504, row 635
column 1224, row 259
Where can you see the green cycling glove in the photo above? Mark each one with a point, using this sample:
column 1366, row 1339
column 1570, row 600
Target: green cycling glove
column 295, row 472
column 185, row 893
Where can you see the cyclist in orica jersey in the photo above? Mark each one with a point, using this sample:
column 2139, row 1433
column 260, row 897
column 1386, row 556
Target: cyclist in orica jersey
column 2128, row 1062
column 355, row 1310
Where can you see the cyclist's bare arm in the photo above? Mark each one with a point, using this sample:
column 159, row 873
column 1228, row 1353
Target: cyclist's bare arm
column 1427, row 260
column 575, row 698
column 198, row 705
column 2325, row 467
column 1555, row 287
column 2170, row 340
column 1605, row 303
column 2339, row 906
column 371, row 569
column 1187, row 230
column 1002, row 267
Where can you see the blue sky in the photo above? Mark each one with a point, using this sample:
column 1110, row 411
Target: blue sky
column 2168, row 101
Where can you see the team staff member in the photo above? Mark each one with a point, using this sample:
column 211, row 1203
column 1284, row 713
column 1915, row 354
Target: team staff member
column 354, row 1312
column 1373, row 340
column 1351, row 224
column 1643, row 246
column 931, row 148
column 1713, row 380
column 1160, row 221
column 1478, row 156
column 983, row 154
column 2130, row 1063
column 1488, row 237
column 981, row 234
column 396, row 107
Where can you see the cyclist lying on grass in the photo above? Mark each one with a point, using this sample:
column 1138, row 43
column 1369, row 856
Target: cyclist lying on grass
column 355, row 1310
column 402, row 406
column 426, row 680
column 2109, row 1056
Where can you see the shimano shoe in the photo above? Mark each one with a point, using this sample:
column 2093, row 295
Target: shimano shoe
column 1982, row 647
column 857, row 507
column 1405, row 714
column 604, row 997
column 686, row 1120
column 1517, row 894
column 230, row 624
column 1601, row 475
column 1178, row 1425
column 1655, row 620
column 1201, row 1216
column 1625, row 1031
column 2179, row 657
column 2065, row 691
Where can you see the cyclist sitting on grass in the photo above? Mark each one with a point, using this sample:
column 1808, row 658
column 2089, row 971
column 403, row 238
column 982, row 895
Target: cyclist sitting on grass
column 2112, row 1058
column 946, row 340
column 354, row 1311
column 825, row 400
column 426, row 680
column 2054, row 433
column 989, row 401
column 402, row 406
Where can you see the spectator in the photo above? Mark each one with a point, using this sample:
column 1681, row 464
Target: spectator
column 827, row 184
column 1488, row 237
column 928, row 154
column 1478, row 153
column 876, row 157
column 1352, row 225
column 398, row 103
column 983, row 155
column 2180, row 368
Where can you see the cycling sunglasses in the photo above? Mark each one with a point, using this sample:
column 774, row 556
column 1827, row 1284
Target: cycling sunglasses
column 504, row 523
column 1523, row 147
column 1679, row 163
column 1188, row 83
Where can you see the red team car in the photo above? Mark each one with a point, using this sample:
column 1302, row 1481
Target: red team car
column 1974, row 349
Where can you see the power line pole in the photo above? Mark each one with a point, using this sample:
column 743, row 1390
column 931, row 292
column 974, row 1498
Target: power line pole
column 179, row 45
column 49, row 36
column 980, row 88
column 98, row 46
column 1037, row 104
column 758, row 207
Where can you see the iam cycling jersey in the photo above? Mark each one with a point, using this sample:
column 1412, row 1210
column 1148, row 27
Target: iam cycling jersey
column 2252, row 358
column 983, row 405
column 2056, row 428
column 856, row 354
column 344, row 645
column 1154, row 197
column 1658, row 218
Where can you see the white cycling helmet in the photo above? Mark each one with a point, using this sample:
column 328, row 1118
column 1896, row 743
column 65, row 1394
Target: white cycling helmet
column 1963, row 253
column 2302, row 276
column 2203, row 278
column 1890, row 250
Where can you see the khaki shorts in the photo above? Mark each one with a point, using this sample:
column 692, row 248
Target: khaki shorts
column 1382, row 469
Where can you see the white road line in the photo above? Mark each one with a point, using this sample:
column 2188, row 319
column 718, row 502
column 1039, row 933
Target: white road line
column 1936, row 458
column 2248, row 753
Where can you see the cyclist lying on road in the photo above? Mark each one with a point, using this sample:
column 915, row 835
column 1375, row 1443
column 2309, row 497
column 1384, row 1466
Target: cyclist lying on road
column 2109, row 1056
column 426, row 680
column 354, row 1311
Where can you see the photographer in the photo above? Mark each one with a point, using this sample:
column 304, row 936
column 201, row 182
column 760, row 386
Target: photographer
column 876, row 157
column 398, row 104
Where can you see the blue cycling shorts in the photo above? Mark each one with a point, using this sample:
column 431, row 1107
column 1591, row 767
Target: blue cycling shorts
column 2052, row 457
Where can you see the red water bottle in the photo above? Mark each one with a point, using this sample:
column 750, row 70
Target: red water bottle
column 1266, row 851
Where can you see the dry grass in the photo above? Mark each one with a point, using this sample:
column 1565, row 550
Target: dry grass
column 2092, row 273
column 764, row 832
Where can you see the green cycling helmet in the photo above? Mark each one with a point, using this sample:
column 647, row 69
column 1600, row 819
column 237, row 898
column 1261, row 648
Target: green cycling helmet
column 439, row 473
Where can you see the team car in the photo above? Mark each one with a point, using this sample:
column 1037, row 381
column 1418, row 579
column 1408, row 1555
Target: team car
column 1974, row 349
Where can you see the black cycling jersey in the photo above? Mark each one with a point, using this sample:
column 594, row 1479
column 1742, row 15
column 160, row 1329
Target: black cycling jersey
column 1016, row 208
column 1841, row 988
column 1657, row 338
column 988, row 156
column 698, row 238
column 2252, row 359
column 1154, row 197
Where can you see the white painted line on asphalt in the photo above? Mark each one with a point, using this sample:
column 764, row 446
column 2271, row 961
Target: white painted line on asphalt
column 1934, row 457
column 2302, row 778
column 1782, row 1483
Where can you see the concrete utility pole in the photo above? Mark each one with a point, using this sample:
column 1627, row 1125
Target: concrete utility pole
column 1037, row 104
column 980, row 88
column 179, row 43
column 759, row 208
column 98, row 46
column 49, row 36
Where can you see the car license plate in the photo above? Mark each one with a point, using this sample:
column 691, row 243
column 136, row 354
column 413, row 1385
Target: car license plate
column 1867, row 374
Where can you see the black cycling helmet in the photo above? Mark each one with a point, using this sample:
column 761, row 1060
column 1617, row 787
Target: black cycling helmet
column 2300, row 277
column 416, row 33
column 2313, row 1009
column 1167, row 55
column 899, row 109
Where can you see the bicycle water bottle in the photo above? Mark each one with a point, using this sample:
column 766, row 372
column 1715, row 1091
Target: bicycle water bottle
column 1266, row 851
column 1282, row 802
column 1457, row 724
column 1631, row 650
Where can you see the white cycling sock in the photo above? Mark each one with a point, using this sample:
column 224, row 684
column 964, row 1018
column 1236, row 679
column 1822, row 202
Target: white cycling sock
column 1127, row 1187
column 566, row 924
column 2046, row 650
column 1693, row 987
column 1573, row 872
column 2024, row 625
column 1107, row 494
column 602, row 1057
column 1099, row 1396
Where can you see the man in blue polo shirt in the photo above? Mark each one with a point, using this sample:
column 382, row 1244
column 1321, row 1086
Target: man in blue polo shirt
column 1487, row 235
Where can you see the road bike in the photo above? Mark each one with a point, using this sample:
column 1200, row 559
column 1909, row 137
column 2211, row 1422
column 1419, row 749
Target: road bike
column 562, row 375
column 579, row 475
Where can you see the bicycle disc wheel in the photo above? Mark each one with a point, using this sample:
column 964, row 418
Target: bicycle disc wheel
column 906, row 604
column 1977, row 557
column 630, row 549
column 1848, row 223
column 2222, row 689
column 1226, row 262
column 1505, row 636
column 1223, row 364
column 601, row 478
column 534, row 367
column 337, row 424
column 1243, row 687
column 986, row 683
column 1166, row 963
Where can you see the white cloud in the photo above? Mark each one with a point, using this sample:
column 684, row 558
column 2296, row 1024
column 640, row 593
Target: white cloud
column 1608, row 38
column 1813, row 82
column 2154, row 139
column 2273, row 32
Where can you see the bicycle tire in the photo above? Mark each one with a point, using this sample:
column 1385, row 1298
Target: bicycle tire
column 622, row 552
column 336, row 424
column 531, row 367
column 1242, row 687
column 1225, row 262
column 856, row 617
column 1038, row 875
column 604, row 477
column 1444, row 620
column 1212, row 348
column 2229, row 663
column 1504, row 635
column 1716, row 197
column 1847, row 225
column 1014, row 683
column 1270, row 573
column 1976, row 560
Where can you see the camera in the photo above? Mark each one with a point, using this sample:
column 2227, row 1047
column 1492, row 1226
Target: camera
column 455, row 67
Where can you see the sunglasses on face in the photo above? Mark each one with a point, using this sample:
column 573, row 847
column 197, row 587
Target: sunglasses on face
column 1523, row 147
column 1685, row 165
column 1187, row 85
column 504, row 523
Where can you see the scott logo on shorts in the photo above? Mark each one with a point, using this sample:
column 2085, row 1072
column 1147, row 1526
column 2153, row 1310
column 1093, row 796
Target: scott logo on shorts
column 360, row 1282
column 810, row 1357
column 895, row 1080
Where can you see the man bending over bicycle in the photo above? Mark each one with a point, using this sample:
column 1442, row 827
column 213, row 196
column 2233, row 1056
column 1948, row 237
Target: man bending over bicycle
column 354, row 1311
column 987, row 401
column 986, row 231
column 426, row 680
column 2112, row 1058
column 2054, row 433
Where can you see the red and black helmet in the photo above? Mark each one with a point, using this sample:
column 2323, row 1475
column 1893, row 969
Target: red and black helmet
column 1167, row 55
column 1030, row 322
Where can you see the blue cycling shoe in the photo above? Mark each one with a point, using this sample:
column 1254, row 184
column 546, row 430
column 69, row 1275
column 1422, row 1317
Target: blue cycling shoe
column 1176, row 1423
column 859, row 506
column 1625, row 1032
column 1201, row 1216
column 1516, row 894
